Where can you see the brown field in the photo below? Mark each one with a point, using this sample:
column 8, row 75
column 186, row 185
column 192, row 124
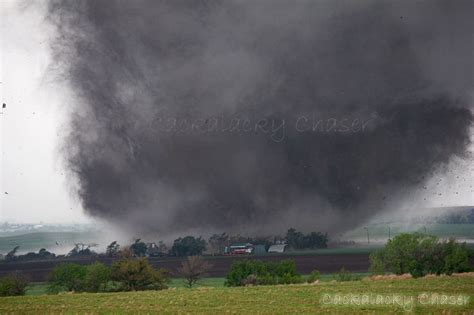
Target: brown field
column 38, row 271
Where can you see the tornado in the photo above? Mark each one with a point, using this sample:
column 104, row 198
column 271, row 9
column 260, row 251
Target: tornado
column 257, row 116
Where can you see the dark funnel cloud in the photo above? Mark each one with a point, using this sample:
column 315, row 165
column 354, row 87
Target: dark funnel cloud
column 254, row 116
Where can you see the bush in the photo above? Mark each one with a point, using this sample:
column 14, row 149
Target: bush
column 346, row 275
column 288, row 279
column 419, row 255
column 79, row 278
column 138, row 274
column 68, row 277
column 377, row 264
column 314, row 276
column 13, row 285
column 97, row 277
column 257, row 272
column 456, row 258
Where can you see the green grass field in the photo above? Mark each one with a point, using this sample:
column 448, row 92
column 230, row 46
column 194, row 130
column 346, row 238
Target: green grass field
column 324, row 297
column 36, row 241
column 378, row 232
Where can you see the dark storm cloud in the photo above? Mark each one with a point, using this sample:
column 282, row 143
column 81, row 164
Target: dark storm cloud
column 403, row 69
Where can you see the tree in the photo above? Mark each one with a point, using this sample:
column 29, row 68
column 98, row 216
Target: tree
column 188, row 246
column 420, row 254
column 113, row 249
column 139, row 248
column 42, row 254
column 294, row 239
column 317, row 240
column 218, row 242
column 162, row 247
column 45, row 254
column 138, row 274
column 298, row 240
column 82, row 249
column 193, row 269
column 13, row 285
column 11, row 254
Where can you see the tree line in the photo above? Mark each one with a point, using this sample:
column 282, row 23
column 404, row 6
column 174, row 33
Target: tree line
column 182, row 246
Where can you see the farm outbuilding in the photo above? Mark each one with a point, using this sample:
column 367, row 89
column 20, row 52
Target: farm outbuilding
column 240, row 248
column 277, row 248
column 259, row 250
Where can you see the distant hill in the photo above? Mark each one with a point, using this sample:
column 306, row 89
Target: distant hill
column 57, row 242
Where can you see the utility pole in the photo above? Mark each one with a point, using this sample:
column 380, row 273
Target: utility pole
column 368, row 239
column 389, row 238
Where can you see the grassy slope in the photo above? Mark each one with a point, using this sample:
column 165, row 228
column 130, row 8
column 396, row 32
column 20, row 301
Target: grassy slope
column 36, row 241
column 380, row 231
column 288, row 299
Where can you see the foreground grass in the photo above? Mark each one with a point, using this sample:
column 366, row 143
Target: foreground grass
column 41, row 288
column 288, row 299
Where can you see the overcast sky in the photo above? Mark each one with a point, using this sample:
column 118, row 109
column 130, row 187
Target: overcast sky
column 33, row 187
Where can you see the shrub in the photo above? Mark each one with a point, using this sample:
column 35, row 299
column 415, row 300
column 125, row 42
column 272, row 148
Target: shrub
column 12, row 285
column 456, row 258
column 284, row 268
column 257, row 272
column 377, row 264
column 315, row 275
column 250, row 280
column 79, row 278
column 138, row 274
column 288, row 278
column 68, row 277
column 241, row 270
column 346, row 275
